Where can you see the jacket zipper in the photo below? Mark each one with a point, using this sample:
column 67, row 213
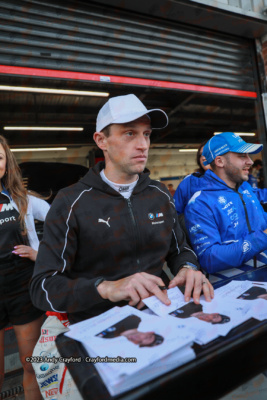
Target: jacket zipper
column 248, row 224
column 136, row 232
column 246, row 211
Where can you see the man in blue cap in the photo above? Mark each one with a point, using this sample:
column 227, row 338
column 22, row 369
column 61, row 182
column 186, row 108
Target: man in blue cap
column 225, row 220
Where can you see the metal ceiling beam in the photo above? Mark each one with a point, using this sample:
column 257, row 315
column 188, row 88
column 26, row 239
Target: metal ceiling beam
column 191, row 12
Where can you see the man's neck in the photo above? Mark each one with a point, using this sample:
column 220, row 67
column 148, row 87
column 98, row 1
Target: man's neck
column 125, row 190
column 121, row 179
column 233, row 185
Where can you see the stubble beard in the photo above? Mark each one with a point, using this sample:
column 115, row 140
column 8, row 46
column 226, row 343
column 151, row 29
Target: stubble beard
column 134, row 169
column 234, row 174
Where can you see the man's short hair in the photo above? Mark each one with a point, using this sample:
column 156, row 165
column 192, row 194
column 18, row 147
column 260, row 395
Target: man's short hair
column 158, row 340
column 213, row 165
column 106, row 130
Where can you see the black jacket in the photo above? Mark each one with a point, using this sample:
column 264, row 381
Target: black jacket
column 92, row 231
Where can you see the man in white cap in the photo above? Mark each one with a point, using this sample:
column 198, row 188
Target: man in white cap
column 226, row 223
column 107, row 237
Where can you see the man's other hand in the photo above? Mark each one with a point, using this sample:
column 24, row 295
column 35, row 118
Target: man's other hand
column 194, row 281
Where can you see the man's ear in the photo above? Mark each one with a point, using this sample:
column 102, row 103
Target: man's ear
column 219, row 161
column 100, row 139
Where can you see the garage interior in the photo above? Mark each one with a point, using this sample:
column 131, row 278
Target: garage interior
column 193, row 118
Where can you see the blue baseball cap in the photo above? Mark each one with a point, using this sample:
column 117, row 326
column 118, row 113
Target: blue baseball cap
column 225, row 142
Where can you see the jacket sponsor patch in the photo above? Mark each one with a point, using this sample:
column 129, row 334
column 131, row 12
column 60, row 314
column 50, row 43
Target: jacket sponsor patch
column 222, row 200
column 45, row 339
column 6, row 207
column 49, row 381
column 152, row 216
column 246, row 246
column 3, row 220
column 41, row 376
column 200, row 239
column 51, row 392
column 195, row 229
column 227, row 205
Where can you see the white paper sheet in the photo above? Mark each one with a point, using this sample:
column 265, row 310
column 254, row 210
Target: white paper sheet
column 232, row 290
column 207, row 320
column 176, row 297
column 174, row 337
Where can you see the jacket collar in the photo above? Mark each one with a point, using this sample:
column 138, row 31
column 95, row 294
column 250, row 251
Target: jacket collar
column 209, row 174
column 93, row 178
column 5, row 192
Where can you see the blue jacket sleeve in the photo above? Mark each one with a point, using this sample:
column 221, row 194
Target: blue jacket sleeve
column 213, row 254
column 182, row 195
column 261, row 194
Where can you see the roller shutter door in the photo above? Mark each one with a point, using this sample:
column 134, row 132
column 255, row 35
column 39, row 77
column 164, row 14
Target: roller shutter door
column 81, row 37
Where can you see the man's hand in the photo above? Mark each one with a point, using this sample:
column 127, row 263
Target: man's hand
column 25, row 251
column 194, row 281
column 134, row 288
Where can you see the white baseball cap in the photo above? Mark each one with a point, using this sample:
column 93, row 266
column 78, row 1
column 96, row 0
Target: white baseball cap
column 123, row 109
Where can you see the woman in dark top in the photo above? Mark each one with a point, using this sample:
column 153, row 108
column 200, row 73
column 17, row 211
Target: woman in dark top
column 18, row 250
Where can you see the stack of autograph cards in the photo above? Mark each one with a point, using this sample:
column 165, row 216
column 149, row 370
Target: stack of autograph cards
column 207, row 320
column 129, row 347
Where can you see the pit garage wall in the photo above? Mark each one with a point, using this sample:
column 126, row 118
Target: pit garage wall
column 170, row 163
column 162, row 163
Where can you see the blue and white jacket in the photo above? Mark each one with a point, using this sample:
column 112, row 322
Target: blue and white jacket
column 185, row 190
column 196, row 181
column 226, row 226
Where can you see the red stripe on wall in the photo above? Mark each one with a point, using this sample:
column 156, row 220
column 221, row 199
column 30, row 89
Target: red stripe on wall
column 52, row 73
